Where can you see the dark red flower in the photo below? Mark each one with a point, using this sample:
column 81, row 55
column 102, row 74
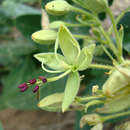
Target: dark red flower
column 22, row 85
column 44, row 80
column 33, row 81
column 35, row 89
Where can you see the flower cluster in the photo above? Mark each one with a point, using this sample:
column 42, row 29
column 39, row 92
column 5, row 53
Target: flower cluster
column 24, row 86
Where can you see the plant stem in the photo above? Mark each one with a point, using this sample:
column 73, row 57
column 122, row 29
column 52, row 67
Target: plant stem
column 118, row 41
column 74, row 25
column 58, row 77
column 110, row 43
column 116, row 115
column 100, row 66
column 75, row 9
column 107, row 52
column 85, row 99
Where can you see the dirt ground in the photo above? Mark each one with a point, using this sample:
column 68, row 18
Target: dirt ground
column 41, row 120
column 36, row 120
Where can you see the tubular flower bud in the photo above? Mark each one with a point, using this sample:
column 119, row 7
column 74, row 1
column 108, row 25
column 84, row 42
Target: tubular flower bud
column 24, row 89
column 44, row 36
column 44, row 80
column 33, row 81
column 22, row 85
column 35, row 89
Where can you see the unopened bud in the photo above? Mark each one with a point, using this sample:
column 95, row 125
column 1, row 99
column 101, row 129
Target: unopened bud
column 90, row 119
column 44, row 36
column 58, row 7
column 95, row 88
column 35, row 89
column 56, row 24
column 96, row 6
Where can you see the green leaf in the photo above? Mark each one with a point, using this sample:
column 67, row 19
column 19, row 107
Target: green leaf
column 44, row 36
column 85, row 57
column 23, row 1
column 11, row 51
column 51, row 60
column 98, row 127
column 68, row 45
column 16, row 48
column 28, row 24
column 71, row 90
column 52, row 102
column 13, row 9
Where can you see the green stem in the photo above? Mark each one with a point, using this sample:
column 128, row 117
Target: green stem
column 107, row 52
column 91, row 103
column 84, row 37
column 118, row 19
column 89, row 38
column 110, row 43
column 58, row 77
column 118, row 41
column 75, row 9
column 100, row 66
column 74, row 25
column 116, row 115
column 85, row 99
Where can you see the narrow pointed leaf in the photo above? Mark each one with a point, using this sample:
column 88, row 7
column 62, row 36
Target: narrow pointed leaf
column 71, row 90
column 51, row 61
column 85, row 57
column 68, row 44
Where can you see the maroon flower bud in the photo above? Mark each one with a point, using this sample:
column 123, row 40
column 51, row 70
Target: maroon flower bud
column 22, row 85
column 44, row 80
column 33, row 81
column 35, row 89
column 24, row 89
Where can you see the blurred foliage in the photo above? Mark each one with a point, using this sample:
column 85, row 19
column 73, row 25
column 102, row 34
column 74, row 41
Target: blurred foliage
column 17, row 64
column 1, row 128
column 125, row 21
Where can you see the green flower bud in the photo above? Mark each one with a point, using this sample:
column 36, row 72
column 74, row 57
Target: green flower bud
column 96, row 6
column 56, row 24
column 58, row 7
column 118, row 80
column 52, row 102
column 117, row 104
column 90, row 119
column 44, row 36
